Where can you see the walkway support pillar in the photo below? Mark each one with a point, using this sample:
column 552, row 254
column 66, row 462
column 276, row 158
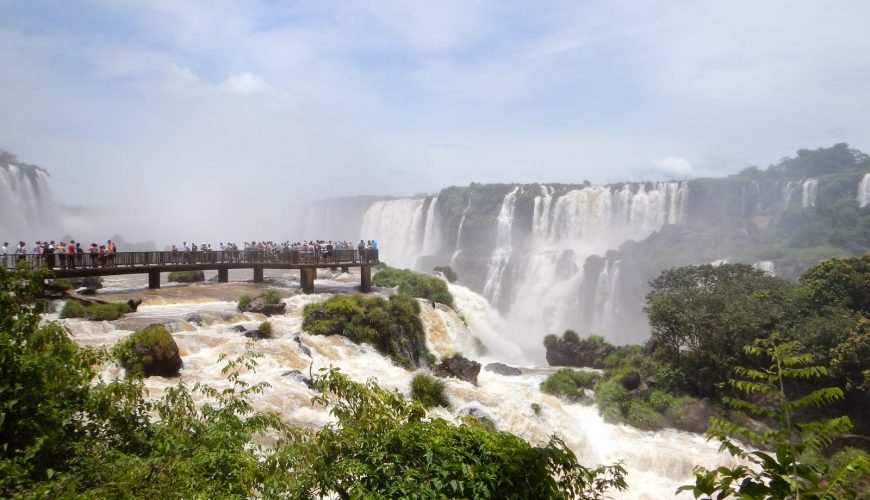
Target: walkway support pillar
column 258, row 274
column 223, row 274
column 365, row 284
column 307, row 275
column 154, row 279
column 345, row 269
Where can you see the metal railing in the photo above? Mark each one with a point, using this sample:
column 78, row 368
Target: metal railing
column 151, row 259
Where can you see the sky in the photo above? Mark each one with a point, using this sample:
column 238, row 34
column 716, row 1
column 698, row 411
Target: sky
column 220, row 109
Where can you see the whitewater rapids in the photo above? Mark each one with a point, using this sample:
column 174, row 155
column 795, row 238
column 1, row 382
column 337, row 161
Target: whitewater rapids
column 657, row 462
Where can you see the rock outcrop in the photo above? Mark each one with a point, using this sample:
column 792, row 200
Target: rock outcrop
column 503, row 369
column 585, row 354
column 458, row 367
column 150, row 352
column 260, row 305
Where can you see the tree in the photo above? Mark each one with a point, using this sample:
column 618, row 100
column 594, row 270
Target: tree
column 793, row 469
column 701, row 315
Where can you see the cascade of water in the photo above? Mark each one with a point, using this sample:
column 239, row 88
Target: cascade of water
column 503, row 248
column 766, row 266
column 787, row 192
column 26, row 206
column 432, row 231
column 549, row 279
column 398, row 226
column 864, row 191
column 459, row 232
column 808, row 196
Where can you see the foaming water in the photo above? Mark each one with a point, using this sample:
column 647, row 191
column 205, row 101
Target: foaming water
column 657, row 462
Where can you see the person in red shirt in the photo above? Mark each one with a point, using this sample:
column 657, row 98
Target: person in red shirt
column 71, row 254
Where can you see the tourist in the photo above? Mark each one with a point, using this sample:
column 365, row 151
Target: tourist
column 71, row 254
column 92, row 252
column 110, row 252
column 4, row 253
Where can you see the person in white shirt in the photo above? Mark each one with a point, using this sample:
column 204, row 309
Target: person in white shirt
column 4, row 253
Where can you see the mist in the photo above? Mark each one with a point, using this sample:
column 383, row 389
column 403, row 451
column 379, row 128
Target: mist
column 207, row 122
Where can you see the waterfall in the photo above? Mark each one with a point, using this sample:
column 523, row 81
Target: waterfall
column 503, row 248
column 766, row 266
column 787, row 192
column 459, row 232
column 399, row 227
column 27, row 210
column 432, row 231
column 553, row 291
column 864, row 191
column 808, row 197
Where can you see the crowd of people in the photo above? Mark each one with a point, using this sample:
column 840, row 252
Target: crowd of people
column 63, row 255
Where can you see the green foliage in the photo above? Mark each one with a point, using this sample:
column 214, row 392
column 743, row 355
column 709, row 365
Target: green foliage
column 428, row 391
column 146, row 351
column 550, row 340
column 392, row 326
column 571, row 336
column 840, row 282
column 266, row 327
column 448, row 272
column 661, row 400
column 244, row 303
column 417, row 285
column 570, row 384
column 94, row 312
column 62, row 284
column 382, row 446
column 65, row 434
column 643, row 416
column 270, row 296
column 536, row 409
column 792, row 469
column 186, row 276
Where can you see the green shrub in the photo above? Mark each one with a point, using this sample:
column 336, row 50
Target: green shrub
column 660, row 400
column 569, row 384
column 422, row 286
column 244, row 303
column 612, row 414
column 392, row 326
column 571, row 336
column 271, row 296
column 94, row 312
column 536, row 409
column 428, row 390
column 550, row 340
column 448, row 272
column 186, row 276
column 150, row 351
column 643, row 416
column 265, row 327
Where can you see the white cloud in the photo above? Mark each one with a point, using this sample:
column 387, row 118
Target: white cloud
column 673, row 166
column 246, row 84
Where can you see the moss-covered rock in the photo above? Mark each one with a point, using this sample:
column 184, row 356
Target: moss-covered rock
column 149, row 352
column 186, row 276
column 428, row 390
column 268, row 302
column 95, row 312
column 570, row 384
column 457, row 366
column 392, row 326
column 418, row 285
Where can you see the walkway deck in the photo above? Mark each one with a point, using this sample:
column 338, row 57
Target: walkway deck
column 154, row 263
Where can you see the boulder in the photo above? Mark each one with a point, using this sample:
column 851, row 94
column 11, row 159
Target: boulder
column 458, row 367
column 692, row 417
column 257, row 335
column 302, row 347
column 503, row 369
column 630, row 381
column 299, row 376
column 566, row 353
column 134, row 304
column 239, row 329
column 150, row 351
column 259, row 305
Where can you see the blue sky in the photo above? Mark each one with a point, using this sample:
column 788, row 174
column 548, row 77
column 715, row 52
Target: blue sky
column 314, row 99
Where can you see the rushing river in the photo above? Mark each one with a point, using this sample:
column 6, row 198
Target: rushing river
column 657, row 462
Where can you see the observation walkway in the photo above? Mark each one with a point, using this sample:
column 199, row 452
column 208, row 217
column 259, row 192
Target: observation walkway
column 154, row 263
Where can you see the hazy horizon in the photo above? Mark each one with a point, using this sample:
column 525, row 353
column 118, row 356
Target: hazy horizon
column 228, row 115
